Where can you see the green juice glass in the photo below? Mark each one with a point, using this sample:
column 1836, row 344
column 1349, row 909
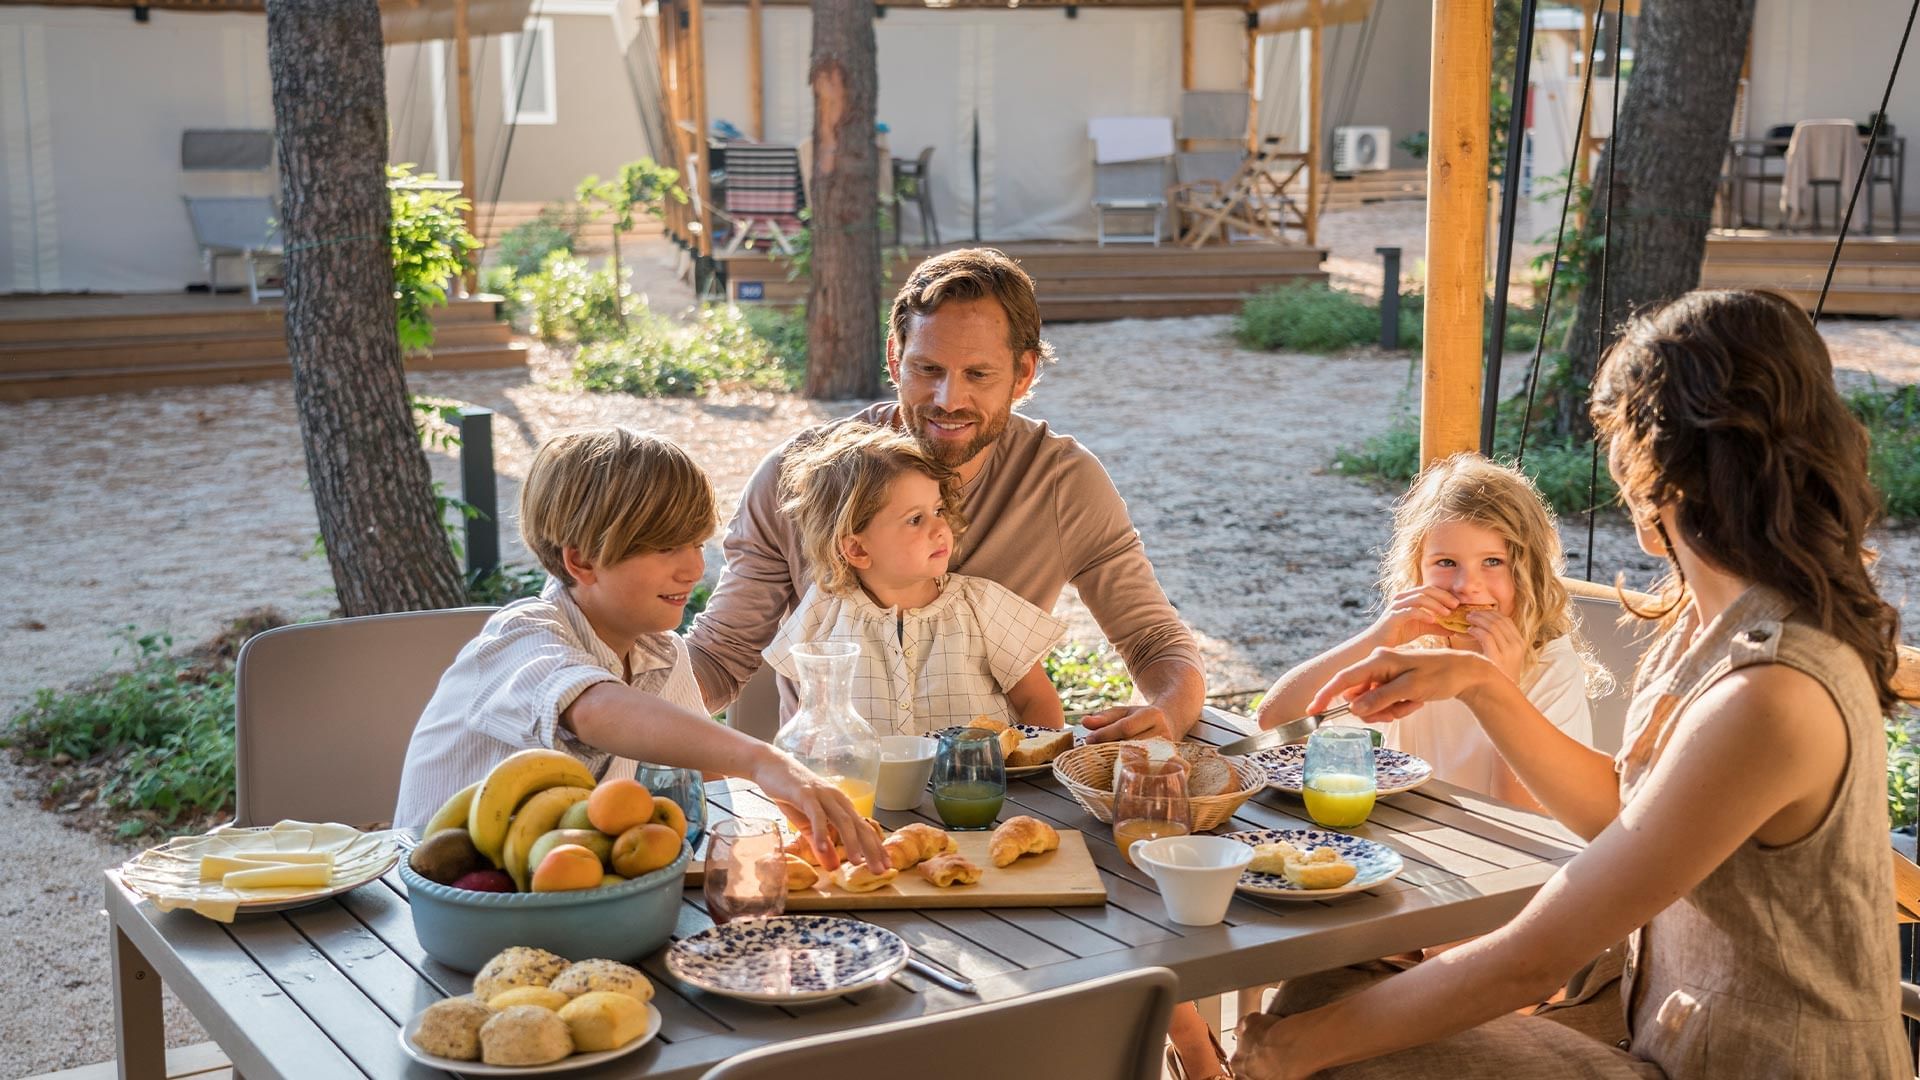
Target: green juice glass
column 969, row 779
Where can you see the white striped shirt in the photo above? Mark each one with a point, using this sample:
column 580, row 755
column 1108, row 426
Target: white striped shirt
column 507, row 689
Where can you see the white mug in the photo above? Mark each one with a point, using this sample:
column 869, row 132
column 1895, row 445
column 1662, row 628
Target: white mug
column 1196, row 874
column 906, row 764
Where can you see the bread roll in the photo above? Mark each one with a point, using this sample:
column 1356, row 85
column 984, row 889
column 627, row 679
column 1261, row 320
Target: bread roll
column 519, row 965
column 524, row 1035
column 1040, row 749
column 590, row 976
column 451, row 1028
column 1456, row 620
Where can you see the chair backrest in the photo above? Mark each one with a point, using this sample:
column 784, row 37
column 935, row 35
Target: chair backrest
column 246, row 223
column 1130, row 181
column 1215, row 114
column 1123, row 1018
column 323, row 712
column 226, row 149
column 762, row 179
column 1216, row 165
column 1617, row 648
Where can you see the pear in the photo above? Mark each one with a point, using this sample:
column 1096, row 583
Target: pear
column 592, row 839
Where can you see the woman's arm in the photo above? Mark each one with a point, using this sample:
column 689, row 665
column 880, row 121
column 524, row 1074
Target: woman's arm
column 1409, row 615
column 1035, row 701
column 1761, row 751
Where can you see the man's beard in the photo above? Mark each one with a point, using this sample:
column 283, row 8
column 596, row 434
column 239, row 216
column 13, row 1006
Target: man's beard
column 986, row 430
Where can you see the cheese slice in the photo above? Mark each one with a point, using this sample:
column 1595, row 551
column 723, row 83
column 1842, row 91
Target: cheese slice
column 217, row 867
column 267, row 877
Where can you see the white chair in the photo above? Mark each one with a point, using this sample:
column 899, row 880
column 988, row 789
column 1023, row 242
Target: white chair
column 323, row 712
column 1130, row 188
column 246, row 228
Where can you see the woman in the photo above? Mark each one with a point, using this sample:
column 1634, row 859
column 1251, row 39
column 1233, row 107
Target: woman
column 1740, row 837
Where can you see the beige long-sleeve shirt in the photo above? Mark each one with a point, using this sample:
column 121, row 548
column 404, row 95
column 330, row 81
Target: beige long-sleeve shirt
column 1042, row 512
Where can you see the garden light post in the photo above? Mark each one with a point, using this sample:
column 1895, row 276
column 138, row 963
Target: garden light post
column 1389, row 297
column 477, row 489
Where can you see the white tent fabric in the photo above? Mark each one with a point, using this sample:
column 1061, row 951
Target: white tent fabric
column 1027, row 81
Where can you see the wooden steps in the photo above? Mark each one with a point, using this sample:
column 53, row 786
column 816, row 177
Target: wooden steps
column 491, row 221
column 1088, row 282
column 99, row 347
column 1876, row 275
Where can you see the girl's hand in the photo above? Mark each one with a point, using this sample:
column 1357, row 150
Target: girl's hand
column 826, row 810
column 1495, row 636
column 1413, row 614
column 1393, row 682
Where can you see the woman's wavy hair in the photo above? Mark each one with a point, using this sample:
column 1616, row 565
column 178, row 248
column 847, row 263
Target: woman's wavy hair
column 834, row 486
column 1721, row 405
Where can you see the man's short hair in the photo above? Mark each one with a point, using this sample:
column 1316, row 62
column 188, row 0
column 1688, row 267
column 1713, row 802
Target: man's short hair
column 612, row 493
column 974, row 274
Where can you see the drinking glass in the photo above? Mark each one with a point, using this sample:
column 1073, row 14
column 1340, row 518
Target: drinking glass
column 969, row 779
column 746, row 870
column 1339, row 783
column 1149, row 802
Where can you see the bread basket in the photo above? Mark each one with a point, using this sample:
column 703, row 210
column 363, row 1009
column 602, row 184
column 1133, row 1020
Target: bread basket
column 1087, row 771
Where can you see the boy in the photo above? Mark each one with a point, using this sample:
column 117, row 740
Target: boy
column 592, row 666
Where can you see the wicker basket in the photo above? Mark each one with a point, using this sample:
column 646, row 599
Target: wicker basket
column 1087, row 771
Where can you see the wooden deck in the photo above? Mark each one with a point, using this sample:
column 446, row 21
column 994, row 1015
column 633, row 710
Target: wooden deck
column 61, row 346
column 1877, row 275
column 1084, row 281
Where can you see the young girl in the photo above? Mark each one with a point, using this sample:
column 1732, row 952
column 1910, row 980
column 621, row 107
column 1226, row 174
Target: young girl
column 878, row 518
column 1474, row 546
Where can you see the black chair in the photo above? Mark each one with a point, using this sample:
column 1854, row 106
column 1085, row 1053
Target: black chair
column 912, row 183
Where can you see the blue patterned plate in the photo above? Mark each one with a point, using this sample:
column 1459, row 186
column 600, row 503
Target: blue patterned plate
column 1377, row 863
column 1393, row 770
column 788, row 959
column 1029, row 730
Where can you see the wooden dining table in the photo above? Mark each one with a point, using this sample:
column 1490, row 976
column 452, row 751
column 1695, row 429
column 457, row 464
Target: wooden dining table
column 322, row 990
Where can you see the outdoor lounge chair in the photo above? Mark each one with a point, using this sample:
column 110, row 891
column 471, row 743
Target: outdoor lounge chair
column 1122, row 1021
column 1131, row 156
column 762, row 194
column 1253, row 200
column 323, row 712
column 245, row 228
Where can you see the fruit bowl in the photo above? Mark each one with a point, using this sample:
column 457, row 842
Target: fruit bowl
column 462, row 928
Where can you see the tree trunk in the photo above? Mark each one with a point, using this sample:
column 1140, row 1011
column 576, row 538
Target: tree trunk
column 1671, row 136
column 368, row 472
column 843, row 299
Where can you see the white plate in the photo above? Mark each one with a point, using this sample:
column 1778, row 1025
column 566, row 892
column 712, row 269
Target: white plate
column 788, row 959
column 565, row 1064
column 169, row 874
column 1376, row 862
column 1029, row 730
column 1394, row 771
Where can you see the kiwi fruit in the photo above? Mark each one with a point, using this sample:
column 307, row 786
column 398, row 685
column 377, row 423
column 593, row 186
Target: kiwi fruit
column 446, row 856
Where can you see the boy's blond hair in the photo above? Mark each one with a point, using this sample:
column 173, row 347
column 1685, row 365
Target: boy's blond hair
column 612, row 493
column 836, row 485
column 1469, row 488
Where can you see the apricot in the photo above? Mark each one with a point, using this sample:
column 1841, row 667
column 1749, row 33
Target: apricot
column 618, row 805
column 667, row 812
column 567, row 867
column 644, row 849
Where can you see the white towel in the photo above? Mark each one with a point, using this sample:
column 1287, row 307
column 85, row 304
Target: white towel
column 1130, row 138
column 1819, row 150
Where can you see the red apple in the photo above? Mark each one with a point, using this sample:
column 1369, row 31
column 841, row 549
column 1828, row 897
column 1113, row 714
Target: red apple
column 485, row 881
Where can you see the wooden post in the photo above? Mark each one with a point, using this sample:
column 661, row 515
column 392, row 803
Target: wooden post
column 1314, row 179
column 756, row 78
column 463, row 88
column 1456, row 227
column 697, row 50
column 1580, row 143
column 1186, row 44
column 1253, row 88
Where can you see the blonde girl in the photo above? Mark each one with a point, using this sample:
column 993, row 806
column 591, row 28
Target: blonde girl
column 1474, row 564
column 879, row 519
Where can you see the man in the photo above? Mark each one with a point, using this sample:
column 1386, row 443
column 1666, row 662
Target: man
column 964, row 350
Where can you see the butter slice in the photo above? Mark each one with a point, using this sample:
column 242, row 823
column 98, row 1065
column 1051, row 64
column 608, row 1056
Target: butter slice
column 267, row 877
column 217, row 867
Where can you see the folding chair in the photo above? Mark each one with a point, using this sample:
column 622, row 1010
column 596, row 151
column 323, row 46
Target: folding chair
column 1130, row 187
column 762, row 194
column 1120, row 1021
column 243, row 227
column 1255, row 199
column 323, row 712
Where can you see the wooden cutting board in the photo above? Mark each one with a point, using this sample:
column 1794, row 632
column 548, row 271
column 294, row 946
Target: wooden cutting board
column 1064, row 877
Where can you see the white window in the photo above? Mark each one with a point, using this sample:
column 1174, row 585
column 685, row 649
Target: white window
column 526, row 74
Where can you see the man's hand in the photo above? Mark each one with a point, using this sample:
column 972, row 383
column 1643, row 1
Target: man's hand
column 1128, row 722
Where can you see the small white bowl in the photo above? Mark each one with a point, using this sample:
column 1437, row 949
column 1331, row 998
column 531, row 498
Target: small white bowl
column 1196, row 874
column 906, row 764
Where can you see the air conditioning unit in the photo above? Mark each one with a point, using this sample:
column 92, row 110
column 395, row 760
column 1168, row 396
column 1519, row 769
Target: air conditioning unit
column 1361, row 149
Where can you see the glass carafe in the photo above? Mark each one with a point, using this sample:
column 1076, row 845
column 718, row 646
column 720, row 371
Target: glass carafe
column 827, row 735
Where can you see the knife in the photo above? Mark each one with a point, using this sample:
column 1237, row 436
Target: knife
column 921, row 967
column 1290, row 732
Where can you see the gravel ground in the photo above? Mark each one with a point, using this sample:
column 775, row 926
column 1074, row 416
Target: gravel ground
column 180, row 509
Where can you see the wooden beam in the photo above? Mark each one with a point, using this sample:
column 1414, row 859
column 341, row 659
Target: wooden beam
column 1318, row 31
column 1253, row 90
column 1288, row 16
column 1186, row 44
column 756, row 77
column 697, row 60
column 1456, row 227
column 463, row 89
column 1580, row 166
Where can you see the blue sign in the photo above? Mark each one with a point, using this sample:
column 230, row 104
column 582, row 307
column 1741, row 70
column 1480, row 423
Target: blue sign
column 750, row 290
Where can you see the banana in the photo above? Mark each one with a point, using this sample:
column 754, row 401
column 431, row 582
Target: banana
column 452, row 815
column 508, row 785
column 537, row 817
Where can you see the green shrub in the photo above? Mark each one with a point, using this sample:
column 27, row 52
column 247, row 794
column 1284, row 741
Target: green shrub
column 1893, row 421
column 565, row 301
column 1309, row 317
column 1903, row 768
column 525, row 247
column 1562, row 470
column 1088, row 679
column 501, row 281
column 1391, row 457
column 785, row 332
column 658, row 358
column 429, row 242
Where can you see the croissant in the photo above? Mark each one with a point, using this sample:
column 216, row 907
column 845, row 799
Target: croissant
column 950, row 869
column 1019, row 836
column 801, row 874
column 855, row 877
column 916, row 843
column 803, row 847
